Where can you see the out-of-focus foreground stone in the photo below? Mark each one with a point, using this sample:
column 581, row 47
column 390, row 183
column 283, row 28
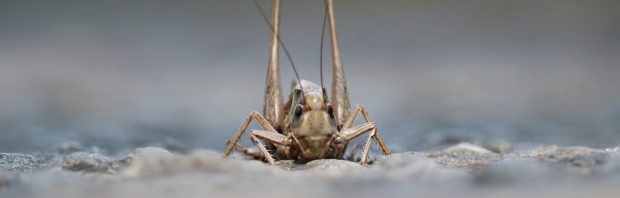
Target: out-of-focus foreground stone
column 463, row 170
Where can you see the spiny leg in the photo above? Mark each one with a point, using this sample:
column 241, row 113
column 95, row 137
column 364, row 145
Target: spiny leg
column 350, row 133
column 340, row 96
column 263, row 150
column 264, row 123
column 353, row 132
column 377, row 135
column 272, row 108
column 273, row 105
column 274, row 138
column 254, row 153
column 366, row 151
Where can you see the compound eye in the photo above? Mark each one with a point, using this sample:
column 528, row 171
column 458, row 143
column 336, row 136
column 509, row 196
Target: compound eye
column 298, row 110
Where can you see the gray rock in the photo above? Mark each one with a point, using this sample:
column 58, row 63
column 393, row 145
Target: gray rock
column 465, row 155
column 323, row 165
column 611, row 168
column 413, row 166
column 153, row 161
column 322, row 169
column 581, row 158
column 5, row 182
column 514, row 172
column 15, row 162
column 149, row 160
column 452, row 172
column 88, row 162
column 615, row 150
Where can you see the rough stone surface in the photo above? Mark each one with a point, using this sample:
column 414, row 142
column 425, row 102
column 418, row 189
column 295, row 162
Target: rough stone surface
column 15, row 162
column 462, row 170
column 5, row 182
column 88, row 162
column 465, row 155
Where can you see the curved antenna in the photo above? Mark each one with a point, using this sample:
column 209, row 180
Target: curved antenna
column 288, row 55
column 321, row 49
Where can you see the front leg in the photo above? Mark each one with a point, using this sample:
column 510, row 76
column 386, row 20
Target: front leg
column 262, row 121
column 377, row 136
column 249, row 152
column 351, row 132
column 274, row 138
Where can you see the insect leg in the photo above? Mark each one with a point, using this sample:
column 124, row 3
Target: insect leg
column 377, row 135
column 271, row 137
column 262, row 149
column 366, row 151
column 260, row 119
column 350, row 133
column 247, row 151
column 349, row 122
column 340, row 95
column 353, row 132
column 273, row 105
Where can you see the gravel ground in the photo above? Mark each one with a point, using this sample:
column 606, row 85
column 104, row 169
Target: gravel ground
column 463, row 170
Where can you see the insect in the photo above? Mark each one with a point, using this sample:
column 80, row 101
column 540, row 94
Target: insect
column 308, row 125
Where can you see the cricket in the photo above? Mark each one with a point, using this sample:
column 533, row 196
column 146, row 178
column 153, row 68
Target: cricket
column 308, row 126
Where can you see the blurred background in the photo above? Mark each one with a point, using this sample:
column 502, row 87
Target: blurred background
column 122, row 74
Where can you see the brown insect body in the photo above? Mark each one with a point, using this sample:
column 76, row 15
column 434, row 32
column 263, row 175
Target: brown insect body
column 308, row 126
column 309, row 121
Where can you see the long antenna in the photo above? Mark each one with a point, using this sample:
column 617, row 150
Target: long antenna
column 321, row 50
column 288, row 55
